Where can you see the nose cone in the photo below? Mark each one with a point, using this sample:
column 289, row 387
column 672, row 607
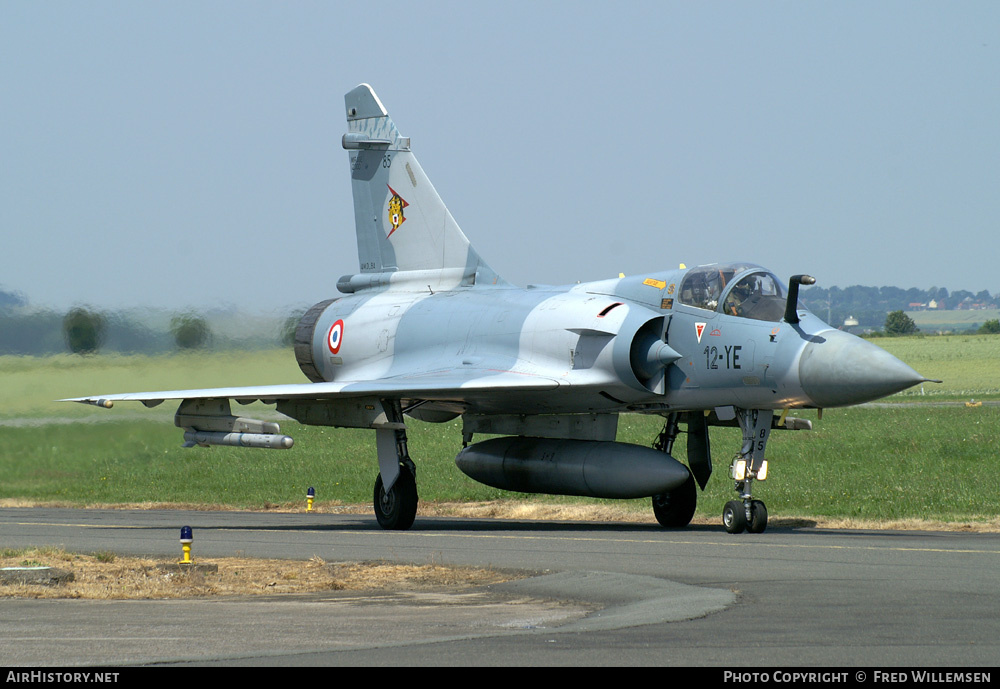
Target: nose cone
column 839, row 369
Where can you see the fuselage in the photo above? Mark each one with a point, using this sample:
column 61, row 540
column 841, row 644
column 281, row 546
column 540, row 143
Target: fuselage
column 653, row 342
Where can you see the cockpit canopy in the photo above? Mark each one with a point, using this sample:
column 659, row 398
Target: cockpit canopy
column 737, row 289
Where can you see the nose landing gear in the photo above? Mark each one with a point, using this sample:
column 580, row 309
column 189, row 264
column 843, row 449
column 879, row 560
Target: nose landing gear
column 747, row 514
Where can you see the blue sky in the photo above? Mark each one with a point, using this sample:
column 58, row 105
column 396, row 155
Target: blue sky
column 188, row 154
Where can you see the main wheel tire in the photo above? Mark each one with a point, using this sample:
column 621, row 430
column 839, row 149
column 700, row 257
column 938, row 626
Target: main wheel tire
column 396, row 508
column 675, row 509
column 758, row 517
column 734, row 517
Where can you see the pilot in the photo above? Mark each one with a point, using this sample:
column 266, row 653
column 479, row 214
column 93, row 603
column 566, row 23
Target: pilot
column 737, row 297
column 715, row 285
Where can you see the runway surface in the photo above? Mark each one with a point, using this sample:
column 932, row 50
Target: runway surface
column 600, row 594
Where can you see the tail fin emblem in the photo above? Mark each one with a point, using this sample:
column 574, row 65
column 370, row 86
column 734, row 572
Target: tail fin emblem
column 396, row 205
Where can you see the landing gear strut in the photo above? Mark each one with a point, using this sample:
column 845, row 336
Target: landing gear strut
column 395, row 495
column 747, row 514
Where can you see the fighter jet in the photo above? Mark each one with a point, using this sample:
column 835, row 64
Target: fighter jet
column 428, row 330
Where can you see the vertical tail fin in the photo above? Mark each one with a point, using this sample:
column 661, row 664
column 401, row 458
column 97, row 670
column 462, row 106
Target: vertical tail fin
column 402, row 223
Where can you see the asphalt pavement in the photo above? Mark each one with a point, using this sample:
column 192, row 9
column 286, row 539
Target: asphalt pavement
column 597, row 594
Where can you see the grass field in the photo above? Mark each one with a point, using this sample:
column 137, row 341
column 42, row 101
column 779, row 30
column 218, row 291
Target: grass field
column 969, row 365
column 908, row 461
column 934, row 320
column 31, row 385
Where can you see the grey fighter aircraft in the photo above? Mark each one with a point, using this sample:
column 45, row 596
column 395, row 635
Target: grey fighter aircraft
column 426, row 329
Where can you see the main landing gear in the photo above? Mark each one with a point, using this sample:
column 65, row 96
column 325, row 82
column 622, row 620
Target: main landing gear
column 675, row 509
column 395, row 506
column 747, row 514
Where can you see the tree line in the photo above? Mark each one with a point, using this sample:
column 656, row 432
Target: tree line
column 898, row 323
column 86, row 330
column 83, row 330
column 870, row 305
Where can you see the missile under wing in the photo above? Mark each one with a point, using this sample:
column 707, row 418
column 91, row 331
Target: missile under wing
column 427, row 329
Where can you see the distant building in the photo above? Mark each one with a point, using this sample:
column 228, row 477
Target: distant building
column 852, row 326
column 975, row 305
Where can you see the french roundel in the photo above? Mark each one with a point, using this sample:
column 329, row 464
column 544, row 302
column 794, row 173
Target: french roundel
column 335, row 336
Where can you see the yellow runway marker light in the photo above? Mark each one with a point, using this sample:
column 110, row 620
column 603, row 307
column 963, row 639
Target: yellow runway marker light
column 186, row 539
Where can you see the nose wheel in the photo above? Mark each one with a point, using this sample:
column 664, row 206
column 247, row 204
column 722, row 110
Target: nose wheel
column 737, row 517
column 758, row 517
column 734, row 517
